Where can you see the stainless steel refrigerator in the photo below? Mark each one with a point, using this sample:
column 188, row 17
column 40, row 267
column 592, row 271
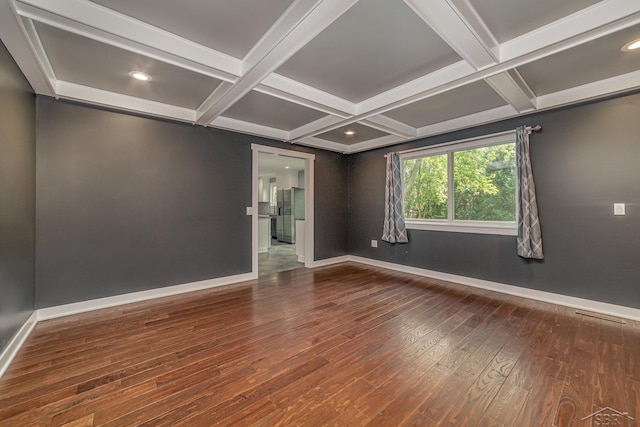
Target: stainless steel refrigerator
column 290, row 207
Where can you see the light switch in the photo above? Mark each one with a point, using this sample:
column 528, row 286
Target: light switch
column 374, row 243
column 249, row 210
column 619, row 209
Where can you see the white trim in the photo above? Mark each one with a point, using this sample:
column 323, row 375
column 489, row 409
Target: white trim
column 18, row 340
column 300, row 133
column 124, row 102
column 99, row 23
column 21, row 336
column 616, row 84
column 316, row 142
column 309, row 224
column 475, row 227
column 282, row 151
column 295, row 91
column 534, row 294
column 15, row 36
column 301, row 258
column 475, row 119
column 514, row 89
column 450, row 24
column 595, row 21
column 241, row 126
column 331, row 261
column 300, row 23
column 116, row 300
column 392, row 126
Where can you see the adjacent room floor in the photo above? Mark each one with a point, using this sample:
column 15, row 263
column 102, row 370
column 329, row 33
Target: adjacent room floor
column 341, row 345
column 280, row 257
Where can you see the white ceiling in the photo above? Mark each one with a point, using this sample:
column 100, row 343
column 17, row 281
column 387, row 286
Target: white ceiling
column 269, row 165
column 304, row 71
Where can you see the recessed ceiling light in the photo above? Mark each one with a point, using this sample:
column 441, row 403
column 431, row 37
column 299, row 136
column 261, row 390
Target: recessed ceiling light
column 286, row 167
column 633, row 45
column 140, row 76
column 350, row 132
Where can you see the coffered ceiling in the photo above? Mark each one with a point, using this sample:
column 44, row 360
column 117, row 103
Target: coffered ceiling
column 307, row 71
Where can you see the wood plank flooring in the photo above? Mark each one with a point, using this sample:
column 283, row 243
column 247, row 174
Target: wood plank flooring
column 345, row 345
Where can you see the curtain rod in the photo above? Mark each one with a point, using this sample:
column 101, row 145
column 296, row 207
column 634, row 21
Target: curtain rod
column 530, row 129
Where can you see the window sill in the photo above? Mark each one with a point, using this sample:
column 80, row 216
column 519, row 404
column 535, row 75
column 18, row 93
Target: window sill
column 475, row 227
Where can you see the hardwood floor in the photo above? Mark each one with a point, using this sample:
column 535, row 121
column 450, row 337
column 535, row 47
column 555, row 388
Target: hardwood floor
column 343, row 345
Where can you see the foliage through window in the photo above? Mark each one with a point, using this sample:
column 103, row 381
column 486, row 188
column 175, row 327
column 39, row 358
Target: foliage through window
column 457, row 184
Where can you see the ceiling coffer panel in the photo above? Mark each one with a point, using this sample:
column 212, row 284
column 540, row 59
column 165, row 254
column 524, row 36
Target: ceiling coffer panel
column 593, row 61
column 229, row 26
column 508, row 19
column 375, row 46
column 360, row 133
column 465, row 100
column 266, row 110
column 87, row 62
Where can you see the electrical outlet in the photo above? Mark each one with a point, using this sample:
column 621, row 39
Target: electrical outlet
column 374, row 243
column 619, row 209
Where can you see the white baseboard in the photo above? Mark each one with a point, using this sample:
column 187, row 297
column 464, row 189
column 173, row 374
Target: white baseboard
column 301, row 258
column 80, row 307
column 16, row 343
column 330, row 261
column 263, row 250
column 96, row 304
column 553, row 298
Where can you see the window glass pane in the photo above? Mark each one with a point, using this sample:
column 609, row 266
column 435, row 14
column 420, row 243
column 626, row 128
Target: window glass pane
column 425, row 187
column 484, row 184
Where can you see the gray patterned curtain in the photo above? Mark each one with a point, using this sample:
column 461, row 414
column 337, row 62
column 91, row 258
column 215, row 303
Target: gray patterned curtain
column 394, row 230
column 529, row 234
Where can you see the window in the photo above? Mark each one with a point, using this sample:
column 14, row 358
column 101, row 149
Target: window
column 469, row 186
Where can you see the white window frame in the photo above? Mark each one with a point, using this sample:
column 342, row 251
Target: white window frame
column 506, row 228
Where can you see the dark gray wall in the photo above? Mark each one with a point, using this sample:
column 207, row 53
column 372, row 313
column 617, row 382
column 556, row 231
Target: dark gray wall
column 127, row 203
column 585, row 159
column 17, row 198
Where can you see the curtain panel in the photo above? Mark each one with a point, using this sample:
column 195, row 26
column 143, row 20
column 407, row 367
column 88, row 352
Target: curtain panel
column 529, row 234
column 394, row 230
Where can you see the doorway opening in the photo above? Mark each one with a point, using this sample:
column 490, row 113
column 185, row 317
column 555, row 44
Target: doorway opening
column 282, row 210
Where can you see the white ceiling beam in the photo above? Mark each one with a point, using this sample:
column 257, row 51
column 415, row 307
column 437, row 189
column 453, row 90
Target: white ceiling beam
column 296, row 135
column 241, row 126
column 26, row 52
column 475, row 119
column 512, row 88
column 324, row 144
column 300, row 23
column 477, row 47
column 596, row 21
column 300, row 93
column 383, row 141
column 474, row 22
column 389, row 125
column 612, row 85
column 125, row 102
column 213, row 98
column 432, row 84
column 107, row 26
column 461, row 73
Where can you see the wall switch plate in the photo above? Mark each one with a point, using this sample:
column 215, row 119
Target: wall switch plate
column 619, row 209
column 374, row 243
column 249, row 210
